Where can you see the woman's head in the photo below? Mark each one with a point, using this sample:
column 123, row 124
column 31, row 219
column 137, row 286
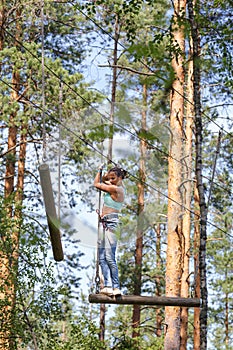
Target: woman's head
column 118, row 171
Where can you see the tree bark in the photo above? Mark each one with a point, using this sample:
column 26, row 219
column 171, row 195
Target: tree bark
column 13, row 199
column 198, row 168
column 10, row 238
column 2, row 24
column 102, row 322
column 174, row 238
column 226, row 321
column 188, row 190
column 158, row 312
column 197, row 291
column 144, row 300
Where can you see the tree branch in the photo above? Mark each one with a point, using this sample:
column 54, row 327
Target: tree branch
column 127, row 68
column 17, row 145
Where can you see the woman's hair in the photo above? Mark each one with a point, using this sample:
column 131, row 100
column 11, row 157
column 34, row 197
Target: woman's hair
column 119, row 172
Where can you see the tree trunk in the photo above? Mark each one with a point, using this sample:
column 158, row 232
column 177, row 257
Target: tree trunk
column 226, row 321
column 188, row 190
column 174, row 238
column 9, row 257
column 18, row 216
column 159, row 318
column 140, row 224
column 2, row 25
column 102, row 322
column 197, row 291
column 198, row 166
column 10, row 238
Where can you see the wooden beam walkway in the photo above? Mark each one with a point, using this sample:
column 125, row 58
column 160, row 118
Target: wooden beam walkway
column 144, row 300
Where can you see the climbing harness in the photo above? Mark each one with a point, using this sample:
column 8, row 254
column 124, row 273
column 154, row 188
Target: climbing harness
column 107, row 219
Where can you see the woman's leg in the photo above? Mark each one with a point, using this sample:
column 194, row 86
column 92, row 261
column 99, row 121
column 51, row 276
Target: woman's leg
column 110, row 255
column 103, row 263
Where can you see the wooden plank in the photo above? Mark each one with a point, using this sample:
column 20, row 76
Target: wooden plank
column 53, row 222
column 144, row 300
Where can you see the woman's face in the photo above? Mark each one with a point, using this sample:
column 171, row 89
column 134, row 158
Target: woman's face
column 113, row 178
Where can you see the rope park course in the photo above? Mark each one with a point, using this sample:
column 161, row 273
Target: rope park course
column 99, row 298
column 53, row 224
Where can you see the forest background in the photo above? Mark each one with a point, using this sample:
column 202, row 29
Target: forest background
column 145, row 85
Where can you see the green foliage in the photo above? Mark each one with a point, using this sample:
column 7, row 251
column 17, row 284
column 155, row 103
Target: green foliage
column 120, row 328
column 220, row 279
column 44, row 300
column 215, row 25
column 45, row 292
column 80, row 335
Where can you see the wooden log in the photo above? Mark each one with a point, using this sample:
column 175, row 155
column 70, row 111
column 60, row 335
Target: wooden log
column 53, row 222
column 144, row 300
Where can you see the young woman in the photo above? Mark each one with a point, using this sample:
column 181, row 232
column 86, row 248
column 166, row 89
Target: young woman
column 111, row 184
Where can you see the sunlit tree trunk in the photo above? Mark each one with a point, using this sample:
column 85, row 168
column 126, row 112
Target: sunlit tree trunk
column 187, row 196
column 10, row 237
column 174, row 238
column 158, row 312
column 13, row 200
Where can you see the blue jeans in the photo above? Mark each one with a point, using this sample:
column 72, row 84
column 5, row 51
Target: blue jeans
column 107, row 251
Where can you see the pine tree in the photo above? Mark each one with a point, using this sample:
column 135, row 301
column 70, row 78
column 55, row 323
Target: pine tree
column 174, row 241
column 21, row 103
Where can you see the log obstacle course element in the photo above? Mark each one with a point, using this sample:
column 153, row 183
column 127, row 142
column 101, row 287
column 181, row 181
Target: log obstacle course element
column 53, row 222
column 144, row 300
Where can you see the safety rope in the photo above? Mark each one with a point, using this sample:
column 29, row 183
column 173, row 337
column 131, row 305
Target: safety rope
column 59, row 148
column 43, row 82
column 97, row 276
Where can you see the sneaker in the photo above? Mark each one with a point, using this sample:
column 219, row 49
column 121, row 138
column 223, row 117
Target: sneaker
column 116, row 291
column 107, row 291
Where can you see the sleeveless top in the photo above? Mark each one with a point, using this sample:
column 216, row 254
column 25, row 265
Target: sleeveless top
column 109, row 202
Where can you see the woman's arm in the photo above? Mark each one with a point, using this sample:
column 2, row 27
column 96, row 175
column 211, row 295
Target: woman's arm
column 97, row 179
column 104, row 186
column 105, row 178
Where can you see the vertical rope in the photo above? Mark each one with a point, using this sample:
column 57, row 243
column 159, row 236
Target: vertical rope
column 97, row 276
column 43, row 81
column 59, row 149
